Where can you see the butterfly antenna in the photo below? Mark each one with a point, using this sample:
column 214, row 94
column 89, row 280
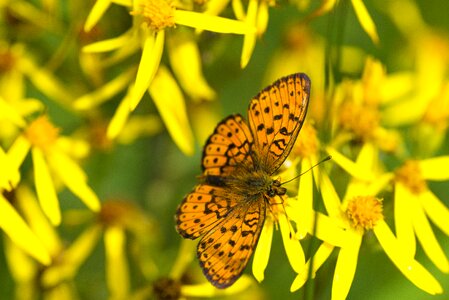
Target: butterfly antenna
column 329, row 157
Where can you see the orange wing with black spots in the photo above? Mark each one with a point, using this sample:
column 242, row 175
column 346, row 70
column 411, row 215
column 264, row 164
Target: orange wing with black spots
column 228, row 208
column 227, row 147
column 202, row 210
column 225, row 250
column 276, row 116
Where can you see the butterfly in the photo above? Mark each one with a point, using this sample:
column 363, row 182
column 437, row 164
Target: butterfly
column 227, row 209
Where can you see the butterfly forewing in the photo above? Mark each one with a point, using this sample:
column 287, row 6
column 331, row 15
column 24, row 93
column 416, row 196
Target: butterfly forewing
column 228, row 146
column 276, row 116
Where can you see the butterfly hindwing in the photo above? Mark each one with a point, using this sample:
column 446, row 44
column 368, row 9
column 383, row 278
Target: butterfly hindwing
column 276, row 116
column 201, row 210
column 225, row 250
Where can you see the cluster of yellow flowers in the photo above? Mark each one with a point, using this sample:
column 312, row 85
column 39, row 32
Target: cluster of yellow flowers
column 72, row 76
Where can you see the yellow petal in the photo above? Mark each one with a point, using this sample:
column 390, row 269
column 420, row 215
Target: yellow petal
column 20, row 234
column 45, row 188
column 186, row 254
column 354, row 169
column 171, row 106
column 436, row 210
column 326, row 6
column 46, row 82
column 292, row 246
column 330, row 197
column 8, row 112
column 96, row 13
column 345, row 269
column 262, row 18
column 38, row 222
column 149, row 63
column 211, row 23
column 239, row 11
column 18, row 151
column 365, row 20
column 305, row 213
column 9, row 175
column 249, row 41
column 74, row 178
column 208, row 290
column 123, row 40
column 20, row 265
column 106, row 92
column 435, row 168
column 185, row 61
column 411, row 269
column 329, row 230
column 117, row 276
column 73, row 257
column 262, row 253
column 317, row 260
column 402, row 218
column 427, row 238
column 139, row 126
column 120, row 117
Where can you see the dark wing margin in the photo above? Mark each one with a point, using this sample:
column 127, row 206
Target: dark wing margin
column 228, row 146
column 276, row 116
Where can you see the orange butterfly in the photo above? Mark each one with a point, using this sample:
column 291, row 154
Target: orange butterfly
column 229, row 206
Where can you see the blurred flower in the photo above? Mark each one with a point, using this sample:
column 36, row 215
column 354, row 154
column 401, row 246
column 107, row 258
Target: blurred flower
column 50, row 151
column 151, row 19
column 345, row 227
column 18, row 231
column 361, row 12
column 415, row 204
column 359, row 108
column 17, row 65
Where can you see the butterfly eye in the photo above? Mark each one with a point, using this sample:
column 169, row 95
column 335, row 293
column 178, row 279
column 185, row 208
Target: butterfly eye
column 271, row 192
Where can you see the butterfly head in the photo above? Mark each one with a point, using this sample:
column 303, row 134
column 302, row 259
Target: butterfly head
column 275, row 189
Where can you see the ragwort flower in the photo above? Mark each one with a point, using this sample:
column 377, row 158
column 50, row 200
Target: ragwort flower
column 415, row 204
column 345, row 227
column 152, row 19
column 50, row 153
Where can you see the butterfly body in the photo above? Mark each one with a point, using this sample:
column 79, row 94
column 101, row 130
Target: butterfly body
column 229, row 206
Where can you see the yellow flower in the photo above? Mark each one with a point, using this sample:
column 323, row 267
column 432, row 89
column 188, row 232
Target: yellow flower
column 345, row 227
column 50, row 152
column 17, row 65
column 358, row 115
column 152, row 18
column 361, row 12
column 415, row 204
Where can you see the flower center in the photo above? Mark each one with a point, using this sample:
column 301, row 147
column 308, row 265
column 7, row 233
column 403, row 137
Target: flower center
column 364, row 211
column 308, row 144
column 41, row 133
column 410, row 175
column 7, row 61
column 362, row 120
column 158, row 14
column 167, row 288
